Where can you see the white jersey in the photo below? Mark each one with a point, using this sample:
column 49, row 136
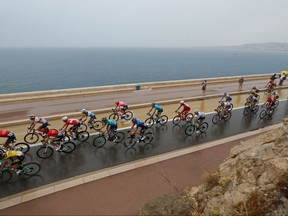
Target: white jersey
column 40, row 120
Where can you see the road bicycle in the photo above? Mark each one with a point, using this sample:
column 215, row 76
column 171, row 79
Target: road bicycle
column 28, row 169
column 136, row 137
column 95, row 125
column 33, row 136
column 267, row 112
column 77, row 134
column 151, row 120
column 127, row 115
column 250, row 107
column 182, row 117
column 193, row 126
column 46, row 150
column 217, row 117
column 220, row 107
column 23, row 147
column 102, row 138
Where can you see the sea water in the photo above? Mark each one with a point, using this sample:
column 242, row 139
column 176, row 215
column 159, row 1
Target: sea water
column 36, row 69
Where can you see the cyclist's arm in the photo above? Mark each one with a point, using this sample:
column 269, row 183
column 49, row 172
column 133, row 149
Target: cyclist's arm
column 132, row 127
column 65, row 127
column 32, row 126
column 178, row 109
column 151, row 110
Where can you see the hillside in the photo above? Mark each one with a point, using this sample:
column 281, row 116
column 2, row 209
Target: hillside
column 253, row 180
column 272, row 46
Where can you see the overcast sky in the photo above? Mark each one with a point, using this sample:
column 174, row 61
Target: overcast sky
column 141, row 23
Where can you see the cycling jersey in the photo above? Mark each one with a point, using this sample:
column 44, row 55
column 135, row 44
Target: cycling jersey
column 72, row 122
column 52, row 132
column 226, row 105
column 91, row 114
column 121, row 104
column 111, row 122
column 158, row 108
column 4, row 133
column 200, row 115
column 186, row 107
column 12, row 153
column 40, row 120
column 138, row 122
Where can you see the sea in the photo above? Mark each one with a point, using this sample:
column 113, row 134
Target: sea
column 37, row 69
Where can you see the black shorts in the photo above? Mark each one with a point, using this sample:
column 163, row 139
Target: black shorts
column 44, row 125
column 112, row 127
column 143, row 127
column 75, row 127
column 10, row 140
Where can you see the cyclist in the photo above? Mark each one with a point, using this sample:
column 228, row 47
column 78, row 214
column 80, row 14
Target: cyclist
column 139, row 124
column 75, row 125
column 199, row 117
column 225, row 106
column 186, row 108
column 54, row 136
column 10, row 137
column 157, row 108
column 253, row 96
column 226, row 98
column 34, row 120
column 85, row 115
column 270, row 85
column 121, row 106
column 270, row 102
column 17, row 158
column 111, row 127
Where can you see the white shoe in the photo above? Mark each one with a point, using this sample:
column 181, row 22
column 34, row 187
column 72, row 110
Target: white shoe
column 19, row 172
column 197, row 131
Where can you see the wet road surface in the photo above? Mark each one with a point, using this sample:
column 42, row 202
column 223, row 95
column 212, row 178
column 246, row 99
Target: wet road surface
column 87, row 158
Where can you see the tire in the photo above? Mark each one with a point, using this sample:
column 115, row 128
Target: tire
column 216, row 119
column 66, row 138
column 190, row 130
column 262, row 114
column 203, row 127
column 82, row 127
column 149, row 122
column 45, row 152
column 114, row 117
column 31, row 168
column 255, row 109
column 97, row 125
column 68, row 147
column 246, row 111
column 271, row 111
column 128, row 115
column 176, row 120
column 23, row 147
column 163, row 120
column 189, row 117
column 231, row 107
column 5, row 176
column 82, row 136
column 31, row 138
column 130, row 142
column 148, row 137
column 276, row 103
column 120, row 136
column 228, row 116
column 99, row 141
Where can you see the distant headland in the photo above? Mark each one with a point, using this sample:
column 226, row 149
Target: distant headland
column 270, row 46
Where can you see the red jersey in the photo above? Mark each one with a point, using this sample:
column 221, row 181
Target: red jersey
column 270, row 100
column 52, row 132
column 4, row 133
column 72, row 122
column 186, row 107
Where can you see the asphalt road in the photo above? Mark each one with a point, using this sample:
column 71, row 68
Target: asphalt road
column 86, row 158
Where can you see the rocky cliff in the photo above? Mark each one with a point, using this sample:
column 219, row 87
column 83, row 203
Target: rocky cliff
column 253, row 180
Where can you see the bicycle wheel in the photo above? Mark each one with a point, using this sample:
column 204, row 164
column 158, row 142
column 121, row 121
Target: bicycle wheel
column 262, row 114
column 99, row 141
column 31, row 138
column 31, row 168
column 23, row 147
column 276, row 103
column 128, row 115
column 119, row 137
column 82, row 127
column 66, row 138
column 216, row 119
column 82, row 136
column 271, row 111
column 148, row 137
column 97, row 125
column 130, row 142
column 45, row 152
column 227, row 116
column 246, row 111
column 68, row 147
column 231, row 107
column 190, row 130
column 255, row 109
column 204, row 126
column 149, row 122
column 5, row 176
column 114, row 117
column 163, row 120
column 176, row 120
column 189, row 117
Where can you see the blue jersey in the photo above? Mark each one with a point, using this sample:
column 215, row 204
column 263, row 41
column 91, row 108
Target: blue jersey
column 91, row 114
column 158, row 108
column 111, row 122
column 138, row 122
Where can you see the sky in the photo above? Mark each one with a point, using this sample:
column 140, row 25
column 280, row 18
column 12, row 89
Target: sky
column 141, row 23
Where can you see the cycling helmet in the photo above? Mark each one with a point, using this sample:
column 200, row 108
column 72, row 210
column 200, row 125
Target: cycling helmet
column 182, row 102
column 196, row 112
column 31, row 116
column 83, row 110
column 104, row 119
column 117, row 102
column 64, row 118
column 225, row 93
column 153, row 104
column 134, row 120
